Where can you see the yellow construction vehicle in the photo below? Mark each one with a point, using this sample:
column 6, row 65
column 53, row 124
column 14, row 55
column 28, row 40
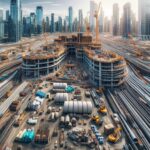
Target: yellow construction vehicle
column 97, row 120
column 95, row 117
column 114, row 137
column 103, row 109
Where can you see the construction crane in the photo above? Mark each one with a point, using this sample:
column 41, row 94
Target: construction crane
column 96, row 15
column 137, row 50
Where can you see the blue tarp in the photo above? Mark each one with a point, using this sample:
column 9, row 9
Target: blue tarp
column 69, row 89
column 28, row 136
column 40, row 94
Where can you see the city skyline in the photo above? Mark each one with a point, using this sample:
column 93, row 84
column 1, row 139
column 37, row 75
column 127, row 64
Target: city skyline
column 60, row 7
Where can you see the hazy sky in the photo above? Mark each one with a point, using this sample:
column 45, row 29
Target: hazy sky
column 60, row 7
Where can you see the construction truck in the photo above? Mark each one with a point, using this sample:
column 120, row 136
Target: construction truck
column 97, row 120
column 103, row 109
column 114, row 137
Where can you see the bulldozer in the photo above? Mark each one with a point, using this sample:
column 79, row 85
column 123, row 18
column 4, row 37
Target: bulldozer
column 114, row 137
column 96, row 120
column 103, row 109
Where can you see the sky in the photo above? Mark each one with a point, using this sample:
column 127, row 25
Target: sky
column 60, row 7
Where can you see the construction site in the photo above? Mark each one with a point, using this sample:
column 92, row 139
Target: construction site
column 70, row 94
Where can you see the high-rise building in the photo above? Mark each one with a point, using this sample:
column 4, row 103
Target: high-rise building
column 1, row 14
column 7, row 15
column 75, row 27
column 121, row 26
column 115, row 19
column 101, row 20
column 134, row 24
column 1, row 24
column 66, row 24
column 81, row 20
column 106, row 24
column 24, row 26
column 144, row 19
column 126, row 20
column 15, row 21
column 47, row 24
column 60, row 28
column 52, row 23
column 70, row 18
column 39, row 18
column 6, row 23
column 93, row 8
column 33, row 23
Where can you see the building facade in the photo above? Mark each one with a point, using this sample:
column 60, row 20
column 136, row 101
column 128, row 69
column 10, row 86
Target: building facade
column 81, row 20
column 1, row 24
column 60, row 27
column 39, row 19
column 15, row 22
column 115, row 20
column 47, row 24
column 126, row 20
column 70, row 19
column 144, row 19
column 33, row 23
column 52, row 22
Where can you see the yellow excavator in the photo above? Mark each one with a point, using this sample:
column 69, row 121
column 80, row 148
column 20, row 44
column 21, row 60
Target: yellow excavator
column 103, row 109
column 114, row 137
column 97, row 120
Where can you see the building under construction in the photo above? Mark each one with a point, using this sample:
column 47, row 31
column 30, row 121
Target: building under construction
column 104, row 67
column 43, row 62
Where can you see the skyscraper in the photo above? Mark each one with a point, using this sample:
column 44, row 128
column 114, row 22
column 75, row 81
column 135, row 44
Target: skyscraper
column 144, row 19
column 7, row 15
column 134, row 24
column 115, row 19
column 75, row 26
column 26, row 26
column 33, row 22
column 93, row 8
column 6, row 23
column 70, row 19
column 1, row 25
column 106, row 24
column 47, row 24
column 81, row 20
column 1, row 14
column 59, row 24
column 127, row 20
column 66, row 24
column 15, row 22
column 39, row 18
column 52, row 23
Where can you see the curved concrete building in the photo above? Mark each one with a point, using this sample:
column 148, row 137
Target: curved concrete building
column 41, row 63
column 105, row 68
